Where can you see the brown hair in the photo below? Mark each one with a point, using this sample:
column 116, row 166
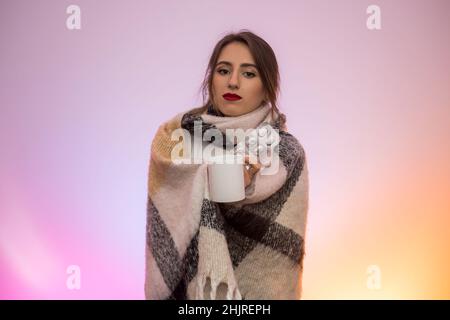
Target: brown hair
column 265, row 61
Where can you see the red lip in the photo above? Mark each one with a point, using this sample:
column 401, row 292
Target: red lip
column 231, row 97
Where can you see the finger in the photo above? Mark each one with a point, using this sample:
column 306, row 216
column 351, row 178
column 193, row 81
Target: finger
column 257, row 166
column 254, row 168
column 248, row 163
column 247, row 177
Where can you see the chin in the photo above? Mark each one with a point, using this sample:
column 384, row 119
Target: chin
column 231, row 110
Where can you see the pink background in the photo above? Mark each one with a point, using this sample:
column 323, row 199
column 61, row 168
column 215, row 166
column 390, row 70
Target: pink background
column 79, row 110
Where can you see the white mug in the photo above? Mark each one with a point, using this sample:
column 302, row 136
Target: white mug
column 226, row 182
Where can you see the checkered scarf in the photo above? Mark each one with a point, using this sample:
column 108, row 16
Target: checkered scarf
column 250, row 249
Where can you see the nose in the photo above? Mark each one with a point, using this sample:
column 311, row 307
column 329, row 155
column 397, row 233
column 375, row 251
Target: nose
column 233, row 82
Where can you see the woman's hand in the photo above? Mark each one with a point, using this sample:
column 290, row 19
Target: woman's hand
column 250, row 170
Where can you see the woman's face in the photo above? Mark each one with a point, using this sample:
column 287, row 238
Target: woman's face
column 236, row 73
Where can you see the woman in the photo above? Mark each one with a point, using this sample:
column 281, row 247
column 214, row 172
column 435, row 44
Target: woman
column 249, row 249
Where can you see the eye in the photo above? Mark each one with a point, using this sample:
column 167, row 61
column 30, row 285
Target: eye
column 250, row 74
column 221, row 71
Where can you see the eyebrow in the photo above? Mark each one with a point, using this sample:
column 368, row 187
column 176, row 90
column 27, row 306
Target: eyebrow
column 242, row 64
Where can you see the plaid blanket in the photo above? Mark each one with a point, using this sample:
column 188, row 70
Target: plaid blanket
column 200, row 249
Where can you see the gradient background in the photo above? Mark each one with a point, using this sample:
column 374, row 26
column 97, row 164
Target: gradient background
column 79, row 110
